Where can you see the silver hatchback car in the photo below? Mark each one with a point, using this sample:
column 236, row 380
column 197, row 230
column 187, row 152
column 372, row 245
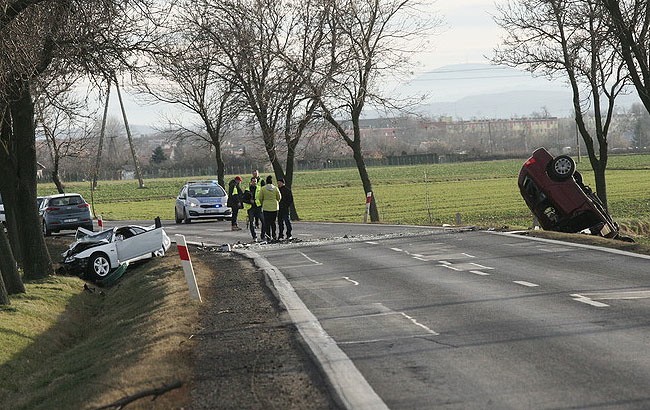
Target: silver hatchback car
column 201, row 200
column 65, row 212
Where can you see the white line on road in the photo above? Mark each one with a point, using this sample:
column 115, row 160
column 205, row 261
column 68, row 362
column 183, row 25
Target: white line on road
column 478, row 272
column 415, row 322
column 396, row 249
column 310, row 259
column 468, row 255
column 420, row 259
column 584, row 299
column 524, row 283
column 372, row 242
column 350, row 280
column 480, row 266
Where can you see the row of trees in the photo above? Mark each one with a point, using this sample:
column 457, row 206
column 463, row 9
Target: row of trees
column 276, row 66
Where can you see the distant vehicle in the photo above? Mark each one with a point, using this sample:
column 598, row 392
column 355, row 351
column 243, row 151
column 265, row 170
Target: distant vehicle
column 201, row 200
column 97, row 254
column 65, row 212
column 555, row 193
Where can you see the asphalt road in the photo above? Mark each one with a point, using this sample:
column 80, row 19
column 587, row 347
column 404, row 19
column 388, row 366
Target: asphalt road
column 436, row 318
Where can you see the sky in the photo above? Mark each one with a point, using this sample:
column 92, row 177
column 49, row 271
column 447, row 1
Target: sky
column 467, row 36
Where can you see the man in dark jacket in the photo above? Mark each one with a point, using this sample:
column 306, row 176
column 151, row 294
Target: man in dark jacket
column 234, row 200
column 285, row 209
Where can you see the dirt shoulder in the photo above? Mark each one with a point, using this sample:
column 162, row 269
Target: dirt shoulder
column 247, row 355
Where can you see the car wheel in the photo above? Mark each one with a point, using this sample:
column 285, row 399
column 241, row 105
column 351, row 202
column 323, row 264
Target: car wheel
column 562, row 167
column 98, row 265
column 46, row 230
column 186, row 217
column 176, row 218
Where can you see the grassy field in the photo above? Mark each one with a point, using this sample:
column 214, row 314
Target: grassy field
column 483, row 193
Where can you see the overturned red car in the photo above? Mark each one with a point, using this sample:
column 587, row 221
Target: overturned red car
column 555, row 193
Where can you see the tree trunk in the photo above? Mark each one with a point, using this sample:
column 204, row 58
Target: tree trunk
column 288, row 176
column 10, row 278
column 4, row 297
column 367, row 185
column 601, row 185
column 56, row 178
column 37, row 263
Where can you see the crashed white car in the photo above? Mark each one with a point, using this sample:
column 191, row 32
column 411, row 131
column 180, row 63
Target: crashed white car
column 98, row 253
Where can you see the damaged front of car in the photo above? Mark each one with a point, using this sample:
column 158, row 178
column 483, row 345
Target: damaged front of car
column 76, row 257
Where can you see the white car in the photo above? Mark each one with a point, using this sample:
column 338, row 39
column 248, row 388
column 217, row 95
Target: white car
column 201, row 200
column 99, row 253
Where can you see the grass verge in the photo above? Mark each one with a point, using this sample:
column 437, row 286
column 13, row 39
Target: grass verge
column 65, row 347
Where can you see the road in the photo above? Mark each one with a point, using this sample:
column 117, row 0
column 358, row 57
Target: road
column 436, row 318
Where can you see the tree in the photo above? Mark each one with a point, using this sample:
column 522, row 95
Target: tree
column 569, row 39
column 42, row 36
column 630, row 23
column 158, row 156
column 186, row 73
column 61, row 118
column 359, row 44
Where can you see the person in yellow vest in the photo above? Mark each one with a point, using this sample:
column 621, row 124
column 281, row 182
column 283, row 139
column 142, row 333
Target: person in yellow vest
column 270, row 200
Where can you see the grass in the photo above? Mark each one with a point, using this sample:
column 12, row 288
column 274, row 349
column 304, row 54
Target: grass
column 63, row 347
column 484, row 194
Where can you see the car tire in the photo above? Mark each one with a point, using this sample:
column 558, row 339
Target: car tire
column 562, row 167
column 186, row 217
column 46, row 230
column 99, row 266
column 176, row 218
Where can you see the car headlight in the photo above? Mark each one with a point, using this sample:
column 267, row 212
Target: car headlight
column 193, row 204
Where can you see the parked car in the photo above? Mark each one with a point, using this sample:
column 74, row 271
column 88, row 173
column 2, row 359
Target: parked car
column 65, row 212
column 555, row 193
column 201, row 200
column 96, row 254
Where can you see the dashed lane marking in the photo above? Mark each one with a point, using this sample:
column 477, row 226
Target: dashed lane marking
column 524, row 283
column 478, row 272
column 588, row 301
column 354, row 282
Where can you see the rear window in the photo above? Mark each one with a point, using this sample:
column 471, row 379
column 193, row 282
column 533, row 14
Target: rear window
column 66, row 200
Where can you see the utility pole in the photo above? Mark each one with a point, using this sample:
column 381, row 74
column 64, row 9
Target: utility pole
column 136, row 163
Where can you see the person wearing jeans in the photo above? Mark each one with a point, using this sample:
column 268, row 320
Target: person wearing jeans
column 284, row 211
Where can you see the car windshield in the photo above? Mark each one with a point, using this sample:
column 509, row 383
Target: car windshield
column 66, row 200
column 98, row 237
column 205, row 191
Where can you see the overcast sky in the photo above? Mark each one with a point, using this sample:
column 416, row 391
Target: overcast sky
column 469, row 33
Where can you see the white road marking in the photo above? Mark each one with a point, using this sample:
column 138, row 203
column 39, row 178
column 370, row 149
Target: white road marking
column 417, row 255
column 420, row 259
column 478, row 272
column 415, row 322
column 481, row 266
column 450, row 267
column 310, row 259
column 468, row 255
column 584, row 299
column 372, row 242
column 524, row 283
column 396, row 249
column 350, row 280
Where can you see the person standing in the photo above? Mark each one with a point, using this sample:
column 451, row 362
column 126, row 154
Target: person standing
column 252, row 206
column 260, row 183
column 270, row 200
column 284, row 210
column 234, row 200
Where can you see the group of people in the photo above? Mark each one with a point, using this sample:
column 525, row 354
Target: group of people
column 265, row 203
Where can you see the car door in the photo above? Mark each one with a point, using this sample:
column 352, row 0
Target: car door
column 180, row 201
column 139, row 245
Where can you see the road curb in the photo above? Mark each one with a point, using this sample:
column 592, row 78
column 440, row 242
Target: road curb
column 350, row 388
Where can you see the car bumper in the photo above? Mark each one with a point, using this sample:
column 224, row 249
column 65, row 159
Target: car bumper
column 209, row 213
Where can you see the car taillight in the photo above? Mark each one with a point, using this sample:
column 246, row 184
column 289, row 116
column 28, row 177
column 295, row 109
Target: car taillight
column 530, row 162
column 51, row 208
column 83, row 206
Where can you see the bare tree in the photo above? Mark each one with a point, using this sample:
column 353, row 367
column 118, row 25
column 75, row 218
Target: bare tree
column 36, row 37
column 359, row 44
column 569, row 39
column 62, row 119
column 186, row 73
column 630, row 23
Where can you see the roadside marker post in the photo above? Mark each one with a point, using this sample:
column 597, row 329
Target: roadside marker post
column 368, row 200
column 100, row 223
column 187, row 267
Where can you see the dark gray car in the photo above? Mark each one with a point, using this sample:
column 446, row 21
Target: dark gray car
column 65, row 212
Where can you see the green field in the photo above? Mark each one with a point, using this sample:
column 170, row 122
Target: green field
column 483, row 193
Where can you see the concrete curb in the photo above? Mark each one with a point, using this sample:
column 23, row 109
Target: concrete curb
column 351, row 389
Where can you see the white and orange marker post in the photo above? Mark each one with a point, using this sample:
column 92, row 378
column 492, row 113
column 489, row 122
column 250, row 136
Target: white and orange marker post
column 368, row 200
column 100, row 223
column 187, row 267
